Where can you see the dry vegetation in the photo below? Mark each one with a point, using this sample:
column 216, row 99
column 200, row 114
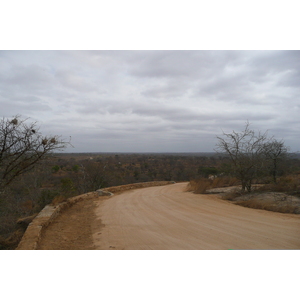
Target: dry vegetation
column 278, row 202
column 284, row 196
column 202, row 185
column 65, row 175
column 289, row 184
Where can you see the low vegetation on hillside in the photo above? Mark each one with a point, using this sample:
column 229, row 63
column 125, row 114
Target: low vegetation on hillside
column 22, row 148
column 266, row 175
column 28, row 183
column 63, row 175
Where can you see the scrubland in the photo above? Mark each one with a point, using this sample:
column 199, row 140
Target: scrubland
column 282, row 196
column 65, row 175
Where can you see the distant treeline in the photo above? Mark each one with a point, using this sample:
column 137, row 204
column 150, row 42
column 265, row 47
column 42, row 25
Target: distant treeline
column 68, row 174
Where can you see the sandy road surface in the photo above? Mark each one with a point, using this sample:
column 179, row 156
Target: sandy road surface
column 166, row 217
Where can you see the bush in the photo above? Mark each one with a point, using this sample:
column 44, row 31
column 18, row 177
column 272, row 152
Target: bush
column 201, row 185
column 289, row 184
column 45, row 198
column 55, row 169
column 67, row 187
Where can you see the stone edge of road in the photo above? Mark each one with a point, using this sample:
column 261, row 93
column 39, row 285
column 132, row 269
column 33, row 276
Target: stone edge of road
column 33, row 233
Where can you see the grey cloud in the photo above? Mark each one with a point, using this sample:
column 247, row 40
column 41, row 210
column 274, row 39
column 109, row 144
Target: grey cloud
column 274, row 61
column 171, row 113
column 183, row 64
column 26, row 105
column 71, row 80
column 283, row 66
column 32, row 76
column 225, row 88
column 169, row 64
column 142, row 100
column 167, row 89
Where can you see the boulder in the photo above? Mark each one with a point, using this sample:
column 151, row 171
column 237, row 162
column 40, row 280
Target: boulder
column 104, row 193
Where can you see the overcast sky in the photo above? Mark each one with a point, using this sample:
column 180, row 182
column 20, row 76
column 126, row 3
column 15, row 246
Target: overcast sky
column 153, row 101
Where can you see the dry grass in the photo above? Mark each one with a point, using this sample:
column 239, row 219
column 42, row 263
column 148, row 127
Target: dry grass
column 201, row 185
column 198, row 186
column 12, row 241
column 287, row 184
column 283, row 197
column 58, row 199
column 285, row 207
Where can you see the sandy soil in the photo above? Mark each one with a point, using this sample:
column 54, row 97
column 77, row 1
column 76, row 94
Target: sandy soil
column 72, row 230
column 166, row 217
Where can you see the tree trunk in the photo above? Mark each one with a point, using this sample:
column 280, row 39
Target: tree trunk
column 243, row 186
column 275, row 170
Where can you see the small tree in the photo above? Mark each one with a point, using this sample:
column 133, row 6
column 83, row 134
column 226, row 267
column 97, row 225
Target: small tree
column 246, row 151
column 92, row 176
column 21, row 147
column 275, row 151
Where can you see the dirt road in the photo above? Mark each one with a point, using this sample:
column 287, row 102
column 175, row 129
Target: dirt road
column 166, row 217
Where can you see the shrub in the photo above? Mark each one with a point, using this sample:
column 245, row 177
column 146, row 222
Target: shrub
column 67, row 187
column 289, row 184
column 55, row 169
column 201, row 185
column 45, row 198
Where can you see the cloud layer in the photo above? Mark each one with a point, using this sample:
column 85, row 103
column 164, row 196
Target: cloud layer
column 153, row 101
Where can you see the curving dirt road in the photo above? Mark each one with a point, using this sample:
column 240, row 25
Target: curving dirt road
column 166, row 217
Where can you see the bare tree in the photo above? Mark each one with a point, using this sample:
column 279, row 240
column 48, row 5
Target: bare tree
column 275, row 151
column 246, row 152
column 92, row 176
column 22, row 146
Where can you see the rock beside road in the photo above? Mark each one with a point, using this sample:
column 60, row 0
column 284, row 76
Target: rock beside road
column 104, row 193
column 272, row 201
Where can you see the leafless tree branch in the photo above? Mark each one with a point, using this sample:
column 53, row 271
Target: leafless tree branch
column 250, row 153
column 21, row 146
